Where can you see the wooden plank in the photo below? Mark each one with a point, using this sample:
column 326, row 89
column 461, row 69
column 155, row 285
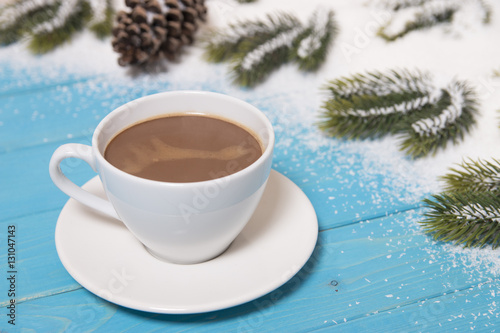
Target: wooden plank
column 39, row 270
column 26, row 187
column 473, row 309
column 342, row 194
column 52, row 115
column 15, row 79
column 80, row 311
column 356, row 271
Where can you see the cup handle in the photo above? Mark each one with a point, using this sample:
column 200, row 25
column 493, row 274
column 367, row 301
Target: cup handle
column 84, row 153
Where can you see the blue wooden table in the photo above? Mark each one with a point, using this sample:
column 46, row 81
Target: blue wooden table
column 373, row 269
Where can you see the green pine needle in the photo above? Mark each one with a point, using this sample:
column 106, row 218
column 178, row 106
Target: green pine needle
column 312, row 46
column 402, row 4
column 424, row 14
column 257, row 48
column 11, row 31
column 422, row 20
column 449, row 121
column 238, row 38
column 487, row 11
column 380, row 84
column 374, row 104
column 399, row 102
column 475, row 176
column 252, row 67
column 352, row 118
column 45, row 42
column 469, row 212
column 470, row 219
column 104, row 28
column 24, row 18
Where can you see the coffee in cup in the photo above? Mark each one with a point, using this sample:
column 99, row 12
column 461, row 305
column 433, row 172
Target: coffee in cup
column 186, row 147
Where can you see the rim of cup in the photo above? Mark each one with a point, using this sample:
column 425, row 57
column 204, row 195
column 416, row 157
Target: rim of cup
column 123, row 108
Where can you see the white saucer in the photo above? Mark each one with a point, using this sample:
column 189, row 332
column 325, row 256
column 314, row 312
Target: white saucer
column 105, row 258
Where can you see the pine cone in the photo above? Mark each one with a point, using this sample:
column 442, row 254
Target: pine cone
column 155, row 28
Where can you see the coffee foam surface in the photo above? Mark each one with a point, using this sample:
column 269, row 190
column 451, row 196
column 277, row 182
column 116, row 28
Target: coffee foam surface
column 164, row 152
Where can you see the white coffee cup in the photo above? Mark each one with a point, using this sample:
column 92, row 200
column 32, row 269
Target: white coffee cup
column 178, row 222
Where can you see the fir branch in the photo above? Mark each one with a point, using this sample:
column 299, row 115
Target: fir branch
column 256, row 48
column 46, row 37
column 426, row 15
column 223, row 45
column 49, row 23
column 401, row 4
column 412, row 15
column 475, row 176
column 253, row 67
column 102, row 17
column 312, row 46
column 17, row 11
column 471, row 219
column 63, row 14
column 370, row 116
column 487, row 11
column 20, row 17
column 381, row 84
column 399, row 102
column 442, row 125
column 375, row 104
